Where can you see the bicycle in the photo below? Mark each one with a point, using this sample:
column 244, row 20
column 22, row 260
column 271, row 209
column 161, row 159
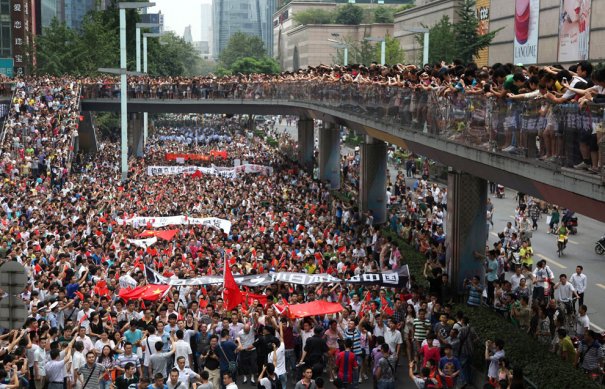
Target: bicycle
column 568, row 309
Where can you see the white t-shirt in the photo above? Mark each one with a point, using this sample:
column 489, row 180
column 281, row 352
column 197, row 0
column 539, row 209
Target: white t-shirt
column 280, row 367
column 581, row 325
column 40, row 357
column 564, row 292
column 183, row 349
column 99, row 345
column 392, row 338
column 149, row 344
column 78, row 360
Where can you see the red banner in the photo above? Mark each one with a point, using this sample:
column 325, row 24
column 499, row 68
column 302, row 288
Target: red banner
column 166, row 235
column 314, row 308
column 214, row 154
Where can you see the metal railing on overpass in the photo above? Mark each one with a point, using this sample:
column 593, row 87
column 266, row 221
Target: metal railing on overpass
column 532, row 129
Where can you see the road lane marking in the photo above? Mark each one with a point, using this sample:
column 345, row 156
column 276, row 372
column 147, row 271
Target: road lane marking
column 601, row 286
column 494, row 234
column 552, row 261
column 596, row 327
column 572, row 241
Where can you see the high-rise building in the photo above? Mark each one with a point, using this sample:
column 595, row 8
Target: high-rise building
column 47, row 11
column 5, row 29
column 187, row 35
column 206, row 25
column 75, row 10
column 157, row 18
column 252, row 17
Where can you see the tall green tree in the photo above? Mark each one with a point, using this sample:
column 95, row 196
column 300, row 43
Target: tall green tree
column 242, row 45
column 393, row 52
column 57, row 50
column 248, row 65
column 468, row 42
column 349, row 14
column 442, row 41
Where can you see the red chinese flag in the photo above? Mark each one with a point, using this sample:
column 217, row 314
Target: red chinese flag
column 385, row 307
column 203, row 303
column 342, row 249
column 231, row 293
column 154, row 292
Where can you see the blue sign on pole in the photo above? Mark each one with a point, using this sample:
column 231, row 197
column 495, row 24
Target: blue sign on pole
column 6, row 66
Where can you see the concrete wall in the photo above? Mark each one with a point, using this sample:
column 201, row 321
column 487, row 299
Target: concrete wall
column 427, row 13
column 311, row 42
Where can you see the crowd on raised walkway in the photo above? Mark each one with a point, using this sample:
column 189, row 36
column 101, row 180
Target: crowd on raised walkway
column 77, row 230
column 503, row 107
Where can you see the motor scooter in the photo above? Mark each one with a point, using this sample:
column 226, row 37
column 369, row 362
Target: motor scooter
column 599, row 247
column 500, row 191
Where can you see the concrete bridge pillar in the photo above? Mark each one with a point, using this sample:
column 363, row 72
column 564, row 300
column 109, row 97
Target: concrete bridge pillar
column 329, row 155
column 306, row 143
column 466, row 227
column 135, row 134
column 373, row 179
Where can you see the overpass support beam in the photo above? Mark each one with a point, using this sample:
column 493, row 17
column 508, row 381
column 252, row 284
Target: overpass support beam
column 373, row 179
column 306, row 143
column 467, row 230
column 329, row 155
column 135, row 134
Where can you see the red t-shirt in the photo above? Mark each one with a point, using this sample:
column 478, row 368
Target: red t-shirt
column 346, row 362
column 430, row 353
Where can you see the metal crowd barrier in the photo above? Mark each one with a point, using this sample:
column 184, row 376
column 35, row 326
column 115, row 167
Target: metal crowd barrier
column 527, row 129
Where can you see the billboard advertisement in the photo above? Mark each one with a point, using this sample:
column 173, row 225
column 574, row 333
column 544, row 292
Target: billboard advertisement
column 6, row 66
column 527, row 21
column 574, row 30
column 482, row 9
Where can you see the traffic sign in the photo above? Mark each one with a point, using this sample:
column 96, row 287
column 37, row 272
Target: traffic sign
column 13, row 311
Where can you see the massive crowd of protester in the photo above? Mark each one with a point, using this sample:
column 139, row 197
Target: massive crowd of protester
column 61, row 220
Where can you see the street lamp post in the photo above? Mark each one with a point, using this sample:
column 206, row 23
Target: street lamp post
column 425, row 48
column 145, row 114
column 341, row 45
column 123, row 85
column 138, row 40
column 383, row 47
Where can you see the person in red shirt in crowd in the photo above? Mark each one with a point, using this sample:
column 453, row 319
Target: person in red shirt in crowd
column 347, row 366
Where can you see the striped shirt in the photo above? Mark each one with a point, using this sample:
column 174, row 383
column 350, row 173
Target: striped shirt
column 355, row 336
column 133, row 358
column 421, row 329
column 94, row 372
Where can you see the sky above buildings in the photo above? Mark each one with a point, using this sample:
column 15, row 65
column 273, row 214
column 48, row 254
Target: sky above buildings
column 178, row 14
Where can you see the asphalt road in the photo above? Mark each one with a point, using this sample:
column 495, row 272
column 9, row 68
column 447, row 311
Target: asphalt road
column 579, row 251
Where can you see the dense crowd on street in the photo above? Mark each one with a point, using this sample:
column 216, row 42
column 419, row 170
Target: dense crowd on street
column 66, row 224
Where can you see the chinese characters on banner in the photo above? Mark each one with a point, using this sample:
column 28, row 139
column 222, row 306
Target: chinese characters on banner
column 23, row 25
column 527, row 18
column 227, row 172
column 574, row 30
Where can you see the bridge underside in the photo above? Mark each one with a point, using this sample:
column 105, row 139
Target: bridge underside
column 582, row 192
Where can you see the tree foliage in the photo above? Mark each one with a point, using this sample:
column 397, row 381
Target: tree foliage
column 242, row 45
column 314, row 16
column 393, row 52
column 248, row 65
column 459, row 40
column 441, row 41
column 349, row 14
column 468, row 41
column 245, row 53
column 61, row 50
column 384, row 15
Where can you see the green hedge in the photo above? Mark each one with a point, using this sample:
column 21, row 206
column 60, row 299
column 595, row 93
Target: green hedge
column 539, row 365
